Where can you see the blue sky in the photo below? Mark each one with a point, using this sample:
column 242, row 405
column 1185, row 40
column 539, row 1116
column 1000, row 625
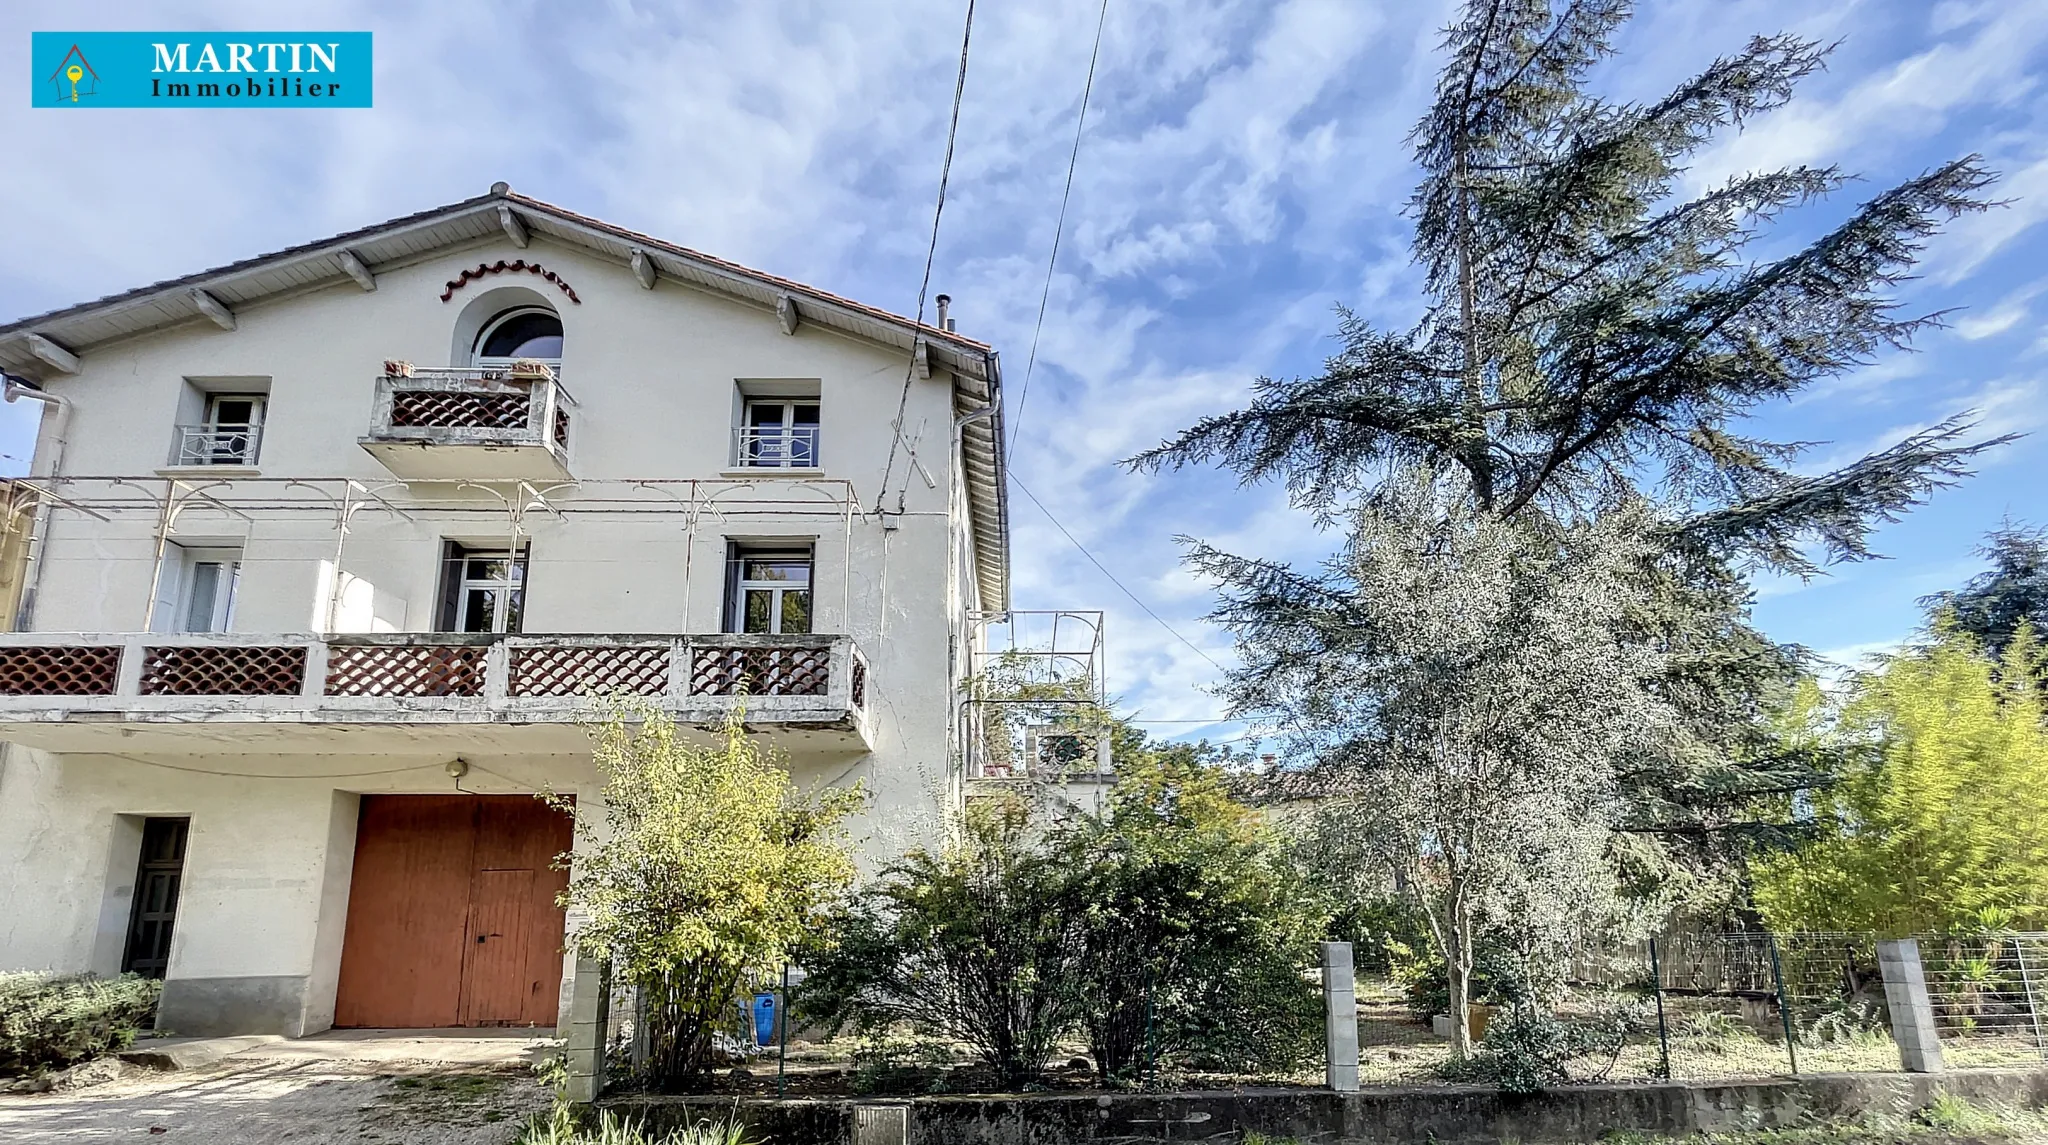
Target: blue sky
column 1243, row 172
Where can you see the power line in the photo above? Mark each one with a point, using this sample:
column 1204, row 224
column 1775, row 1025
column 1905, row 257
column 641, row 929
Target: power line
column 1059, row 226
column 1021, row 488
column 931, row 252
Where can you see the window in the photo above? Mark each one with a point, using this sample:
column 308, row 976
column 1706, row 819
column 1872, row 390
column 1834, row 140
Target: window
column 482, row 590
column 526, row 333
column 779, row 433
column 228, row 435
column 155, row 910
column 768, row 589
column 195, row 590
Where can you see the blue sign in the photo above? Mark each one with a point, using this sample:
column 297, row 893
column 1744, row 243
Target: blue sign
column 200, row 69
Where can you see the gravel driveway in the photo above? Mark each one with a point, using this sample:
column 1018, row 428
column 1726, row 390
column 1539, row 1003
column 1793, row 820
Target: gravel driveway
column 262, row 1101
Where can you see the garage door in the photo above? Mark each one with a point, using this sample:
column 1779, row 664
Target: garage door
column 451, row 913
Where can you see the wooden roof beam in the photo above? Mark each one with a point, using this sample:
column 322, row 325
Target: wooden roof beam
column 215, row 310
column 515, row 229
column 52, row 355
column 786, row 313
column 643, row 269
column 354, row 268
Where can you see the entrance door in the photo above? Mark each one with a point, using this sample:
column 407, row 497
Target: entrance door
column 451, row 916
column 157, row 877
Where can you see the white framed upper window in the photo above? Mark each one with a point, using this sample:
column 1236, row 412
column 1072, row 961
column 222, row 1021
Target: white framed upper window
column 195, row 589
column 778, row 433
column 482, row 590
column 229, row 433
column 768, row 589
column 526, row 332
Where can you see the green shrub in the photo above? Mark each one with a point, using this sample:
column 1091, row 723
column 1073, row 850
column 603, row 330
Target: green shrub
column 975, row 942
column 1528, row 1048
column 50, row 1021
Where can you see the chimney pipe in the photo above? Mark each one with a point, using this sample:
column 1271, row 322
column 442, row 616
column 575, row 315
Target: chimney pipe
column 945, row 305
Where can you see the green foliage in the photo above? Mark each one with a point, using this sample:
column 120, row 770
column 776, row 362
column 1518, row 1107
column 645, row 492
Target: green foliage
column 1193, row 931
column 560, row 1125
column 2014, row 591
column 51, row 1021
column 888, row 1062
column 1165, row 930
column 708, row 868
column 977, row 941
column 1941, row 812
column 1528, row 1048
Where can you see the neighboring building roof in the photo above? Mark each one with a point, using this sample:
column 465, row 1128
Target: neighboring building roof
column 78, row 329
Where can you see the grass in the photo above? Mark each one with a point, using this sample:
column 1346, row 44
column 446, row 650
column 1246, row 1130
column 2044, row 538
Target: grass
column 1947, row 1119
column 558, row 1126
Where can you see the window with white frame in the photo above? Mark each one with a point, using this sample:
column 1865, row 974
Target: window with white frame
column 229, row 433
column 778, row 433
column 195, row 589
column 529, row 332
column 768, row 589
column 482, row 589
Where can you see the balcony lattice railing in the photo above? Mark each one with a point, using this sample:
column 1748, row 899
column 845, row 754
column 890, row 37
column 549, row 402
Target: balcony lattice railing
column 485, row 406
column 793, row 674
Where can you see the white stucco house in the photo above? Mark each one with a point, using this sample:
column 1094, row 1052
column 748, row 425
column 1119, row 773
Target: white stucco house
column 324, row 548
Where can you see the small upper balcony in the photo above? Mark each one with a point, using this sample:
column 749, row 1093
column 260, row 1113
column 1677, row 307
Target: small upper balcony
column 415, row 692
column 473, row 423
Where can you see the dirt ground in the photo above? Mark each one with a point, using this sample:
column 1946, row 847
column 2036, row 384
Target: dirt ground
column 264, row 1100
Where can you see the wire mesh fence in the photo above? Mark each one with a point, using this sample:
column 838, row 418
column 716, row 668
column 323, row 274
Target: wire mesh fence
column 1988, row 993
column 1711, row 1006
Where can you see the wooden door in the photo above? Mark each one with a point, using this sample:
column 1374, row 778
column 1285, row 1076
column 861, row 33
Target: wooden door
column 451, row 917
column 494, row 985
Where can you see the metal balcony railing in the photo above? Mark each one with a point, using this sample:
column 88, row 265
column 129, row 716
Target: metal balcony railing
column 800, row 679
column 216, row 444
column 775, row 447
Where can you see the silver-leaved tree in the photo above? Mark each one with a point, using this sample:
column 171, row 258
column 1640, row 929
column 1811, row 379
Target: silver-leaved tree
column 1467, row 682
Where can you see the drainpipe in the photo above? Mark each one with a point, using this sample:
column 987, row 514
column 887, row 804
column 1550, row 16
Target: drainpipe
column 18, row 388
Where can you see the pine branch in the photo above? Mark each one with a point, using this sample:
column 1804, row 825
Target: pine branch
column 1839, row 510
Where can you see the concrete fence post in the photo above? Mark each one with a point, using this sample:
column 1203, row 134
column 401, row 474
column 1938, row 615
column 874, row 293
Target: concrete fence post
column 1340, row 1019
column 1905, row 995
column 589, row 1006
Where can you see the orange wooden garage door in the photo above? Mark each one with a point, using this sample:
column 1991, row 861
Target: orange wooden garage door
column 451, row 913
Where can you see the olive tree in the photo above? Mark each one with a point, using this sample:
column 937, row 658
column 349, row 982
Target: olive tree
column 1469, row 681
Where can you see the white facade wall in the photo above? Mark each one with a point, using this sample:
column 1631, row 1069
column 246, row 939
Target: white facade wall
column 656, row 374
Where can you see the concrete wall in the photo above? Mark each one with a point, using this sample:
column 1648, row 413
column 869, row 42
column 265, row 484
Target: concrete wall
column 655, row 375
column 1452, row 1115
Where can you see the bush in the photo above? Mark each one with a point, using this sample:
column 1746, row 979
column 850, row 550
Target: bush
column 1528, row 1049
column 975, row 942
column 1165, row 931
column 708, row 869
column 1194, row 935
column 50, row 1021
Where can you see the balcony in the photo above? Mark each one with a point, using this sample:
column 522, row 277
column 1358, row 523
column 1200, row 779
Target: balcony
column 471, row 424
column 414, row 692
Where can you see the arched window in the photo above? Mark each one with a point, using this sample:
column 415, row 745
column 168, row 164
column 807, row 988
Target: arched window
column 530, row 332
